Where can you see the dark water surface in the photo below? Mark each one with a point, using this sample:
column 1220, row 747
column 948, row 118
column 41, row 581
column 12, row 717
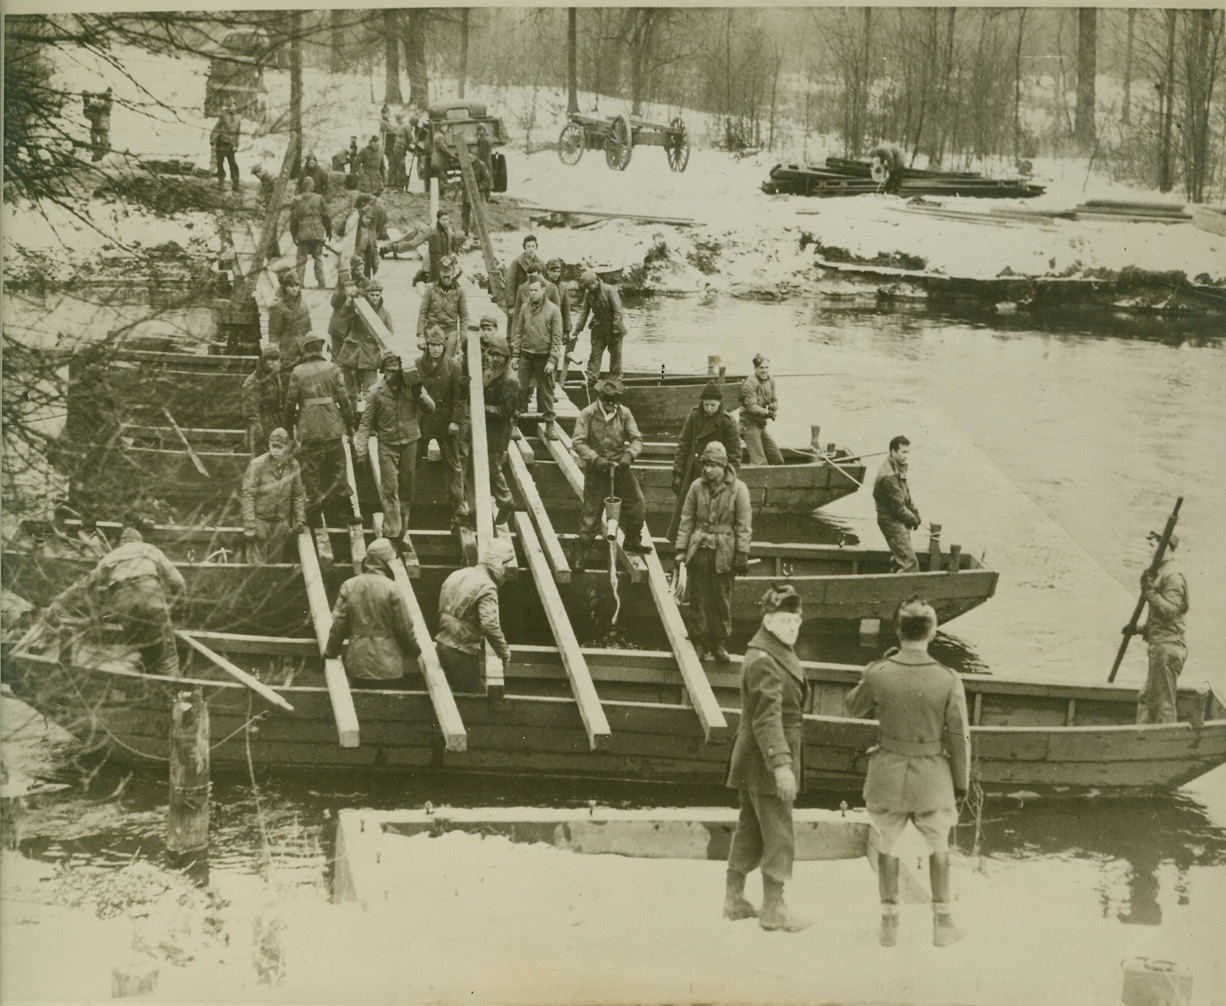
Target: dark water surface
column 1050, row 453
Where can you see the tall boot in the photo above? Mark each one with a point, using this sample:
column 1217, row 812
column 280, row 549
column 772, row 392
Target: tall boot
column 776, row 915
column 944, row 932
column 736, row 905
column 887, row 884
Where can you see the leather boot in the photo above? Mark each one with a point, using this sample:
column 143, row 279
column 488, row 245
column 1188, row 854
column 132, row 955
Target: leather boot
column 887, row 883
column 700, row 648
column 550, row 431
column 736, row 905
column 634, row 543
column 944, row 932
column 776, row 916
column 583, row 555
column 720, row 652
column 407, row 552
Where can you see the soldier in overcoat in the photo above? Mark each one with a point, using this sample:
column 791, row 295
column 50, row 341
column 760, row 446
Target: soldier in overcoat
column 767, row 764
column 372, row 615
column 920, row 764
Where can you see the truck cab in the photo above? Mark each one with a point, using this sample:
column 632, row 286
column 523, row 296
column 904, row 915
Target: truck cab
column 459, row 121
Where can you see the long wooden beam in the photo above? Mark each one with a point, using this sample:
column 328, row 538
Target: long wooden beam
column 714, row 726
column 357, row 541
column 540, row 517
column 251, row 276
column 372, row 454
column 455, row 737
column 321, row 617
column 560, row 450
column 492, row 267
column 236, row 672
column 590, row 710
column 494, row 681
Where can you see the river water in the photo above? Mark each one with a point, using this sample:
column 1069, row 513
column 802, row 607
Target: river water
column 1050, row 453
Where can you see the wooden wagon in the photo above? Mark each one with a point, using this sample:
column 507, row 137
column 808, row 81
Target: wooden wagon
column 618, row 135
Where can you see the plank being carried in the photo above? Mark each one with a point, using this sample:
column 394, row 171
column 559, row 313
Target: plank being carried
column 492, row 267
column 321, row 618
column 590, row 711
column 714, row 726
column 455, row 737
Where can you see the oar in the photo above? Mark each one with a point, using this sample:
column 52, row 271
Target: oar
column 1153, row 568
column 190, row 453
column 835, row 462
column 254, row 683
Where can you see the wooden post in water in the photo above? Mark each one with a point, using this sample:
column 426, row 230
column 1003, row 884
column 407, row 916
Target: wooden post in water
column 815, row 438
column 712, row 363
column 934, row 548
column 187, row 826
column 955, row 558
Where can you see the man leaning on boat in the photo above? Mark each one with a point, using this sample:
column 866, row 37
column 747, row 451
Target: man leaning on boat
column 897, row 514
column 136, row 586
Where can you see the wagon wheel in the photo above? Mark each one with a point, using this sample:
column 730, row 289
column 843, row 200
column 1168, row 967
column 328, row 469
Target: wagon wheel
column 619, row 145
column 570, row 144
column 678, row 147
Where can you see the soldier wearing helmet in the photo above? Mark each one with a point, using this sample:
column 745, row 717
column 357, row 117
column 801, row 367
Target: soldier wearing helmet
column 444, row 306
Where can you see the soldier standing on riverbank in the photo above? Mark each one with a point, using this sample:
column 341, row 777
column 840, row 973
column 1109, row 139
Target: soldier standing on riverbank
column 1166, row 593
column 767, row 764
column 897, row 514
column 224, row 138
column 921, row 764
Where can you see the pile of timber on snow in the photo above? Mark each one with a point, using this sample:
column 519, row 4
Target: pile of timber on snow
column 840, row 177
column 1133, row 212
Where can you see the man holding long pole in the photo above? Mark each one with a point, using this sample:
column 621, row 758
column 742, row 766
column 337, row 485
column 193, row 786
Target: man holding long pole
column 1166, row 592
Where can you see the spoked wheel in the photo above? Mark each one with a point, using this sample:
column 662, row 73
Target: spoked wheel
column 678, row 147
column 570, row 144
column 618, row 146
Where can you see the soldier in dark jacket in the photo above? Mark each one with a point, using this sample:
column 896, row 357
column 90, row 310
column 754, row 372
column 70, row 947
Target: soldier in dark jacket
column 310, row 226
column 889, row 158
column 312, row 169
column 136, row 585
column 707, row 423
column 263, row 400
column 604, row 307
column 921, row 764
column 289, row 321
column 369, row 167
column 274, row 501
column 319, row 411
column 392, row 412
column 1166, row 593
column 553, row 273
column 440, row 376
column 521, row 266
column 224, row 139
column 759, row 406
column 767, row 764
column 607, row 440
column 713, row 543
column 372, row 614
column 444, row 305
column 361, row 351
column 349, row 279
column 897, row 514
column 439, row 245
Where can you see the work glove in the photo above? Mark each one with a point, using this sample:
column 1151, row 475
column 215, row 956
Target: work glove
column 296, row 528
column 625, row 458
column 1147, row 581
column 785, row 783
column 740, row 563
column 453, row 429
column 549, row 368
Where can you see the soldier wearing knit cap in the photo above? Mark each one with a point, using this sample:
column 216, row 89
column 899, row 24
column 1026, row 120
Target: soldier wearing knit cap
column 767, row 764
column 707, row 423
column 713, row 540
column 273, row 500
column 371, row 614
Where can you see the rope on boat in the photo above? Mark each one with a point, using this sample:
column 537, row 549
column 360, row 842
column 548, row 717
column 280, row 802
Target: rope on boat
column 613, row 583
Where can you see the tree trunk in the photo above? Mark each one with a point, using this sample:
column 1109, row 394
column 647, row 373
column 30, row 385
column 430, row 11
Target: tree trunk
column 572, row 59
column 1200, row 71
column 391, row 50
column 464, row 18
column 295, row 83
column 1017, row 85
column 413, row 27
column 1166, row 108
column 1126, row 111
column 1087, row 69
column 336, row 19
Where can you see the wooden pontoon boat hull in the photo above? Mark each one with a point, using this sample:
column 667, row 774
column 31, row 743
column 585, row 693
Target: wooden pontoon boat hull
column 1033, row 738
column 661, row 402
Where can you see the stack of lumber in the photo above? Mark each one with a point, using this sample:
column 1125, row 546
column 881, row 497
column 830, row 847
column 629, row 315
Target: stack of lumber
column 1133, row 212
column 840, row 177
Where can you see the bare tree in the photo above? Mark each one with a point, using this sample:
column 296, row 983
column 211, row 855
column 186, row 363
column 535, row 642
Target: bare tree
column 572, row 59
column 1202, row 61
column 1087, row 68
column 391, row 49
column 465, row 13
column 413, row 34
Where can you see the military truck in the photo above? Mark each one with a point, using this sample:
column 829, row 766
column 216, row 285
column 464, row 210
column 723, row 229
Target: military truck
column 236, row 73
column 459, row 120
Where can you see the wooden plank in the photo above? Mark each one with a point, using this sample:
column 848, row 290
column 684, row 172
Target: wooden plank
column 455, row 737
column 615, row 215
column 540, row 517
column 714, row 726
column 234, row 642
column 373, row 323
column 321, row 617
column 492, row 267
column 236, row 672
column 246, row 286
column 594, row 721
